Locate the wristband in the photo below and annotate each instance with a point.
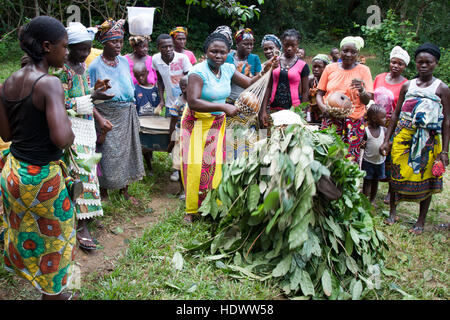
(444, 152)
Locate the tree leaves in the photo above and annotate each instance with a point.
(276, 226)
(326, 283)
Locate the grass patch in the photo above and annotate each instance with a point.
(147, 272)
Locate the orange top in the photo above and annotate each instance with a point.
(334, 78)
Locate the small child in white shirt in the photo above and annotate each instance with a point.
(373, 161)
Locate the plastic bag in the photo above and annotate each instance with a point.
(140, 20)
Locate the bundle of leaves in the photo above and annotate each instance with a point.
(271, 221)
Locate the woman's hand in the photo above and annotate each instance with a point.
(444, 158)
(100, 88)
(104, 124)
(230, 110)
(274, 62)
(358, 84)
(385, 148)
(264, 119)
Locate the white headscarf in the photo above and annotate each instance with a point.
(357, 41)
(77, 33)
(398, 52)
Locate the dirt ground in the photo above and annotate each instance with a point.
(113, 244)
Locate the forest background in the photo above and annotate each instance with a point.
(321, 23)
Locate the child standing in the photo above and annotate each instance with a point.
(147, 99)
(373, 161)
(176, 112)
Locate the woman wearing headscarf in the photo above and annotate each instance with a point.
(289, 84)
(78, 99)
(203, 122)
(318, 63)
(355, 81)
(140, 55)
(121, 162)
(243, 59)
(420, 125)
(270, 45)
(179, 36)
(40, 235)
(387, 87)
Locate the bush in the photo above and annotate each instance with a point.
(392, 32)
(442, 71)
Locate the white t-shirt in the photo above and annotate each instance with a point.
(171, 74)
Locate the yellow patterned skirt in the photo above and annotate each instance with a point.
(407, 185)
(40, 223)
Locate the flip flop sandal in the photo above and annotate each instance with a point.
(82, 246)
(389, 221)
(416, 230)
(190, 218)
(74, 296)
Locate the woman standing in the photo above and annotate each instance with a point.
(290, 83)
(140, 55)
(387, 87)
(319, 62)
(244, 60)
(421, 119)
(179, 36)
(270, 45)
(40, 234)
(355, 81)
(121, 162)
(78, 98)
(203, 121)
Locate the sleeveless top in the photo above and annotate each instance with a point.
(29, 129)
(371, 152)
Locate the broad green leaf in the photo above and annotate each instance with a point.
(283, 266)
(177, 261)
(296, 279)
(299, 234)
(252, 196)
(306, 284)
(335, 227)
(326, 283)
(272, 221)
(354, 235)
(351, 265)
(271, 201)
(348, 243)
(357, 290)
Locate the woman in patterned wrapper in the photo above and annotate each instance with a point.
(420, 125)
(355, 81)
(40, 235)
(78, 98)
(121, 162)
(387, 87)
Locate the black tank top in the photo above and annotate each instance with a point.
(29, 129)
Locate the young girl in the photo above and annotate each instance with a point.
(373, 161)
(319, 62)
(290, 83)
(176, 112)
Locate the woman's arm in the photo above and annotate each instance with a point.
(5, 130)
(263, 116)
(245, 82)
(320, 102)
(51, 93)
(196, 103)
(444, 93)
(304, 89)
(384, 149)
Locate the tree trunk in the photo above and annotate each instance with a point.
(36, 8)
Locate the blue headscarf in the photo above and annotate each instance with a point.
(273, 38)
